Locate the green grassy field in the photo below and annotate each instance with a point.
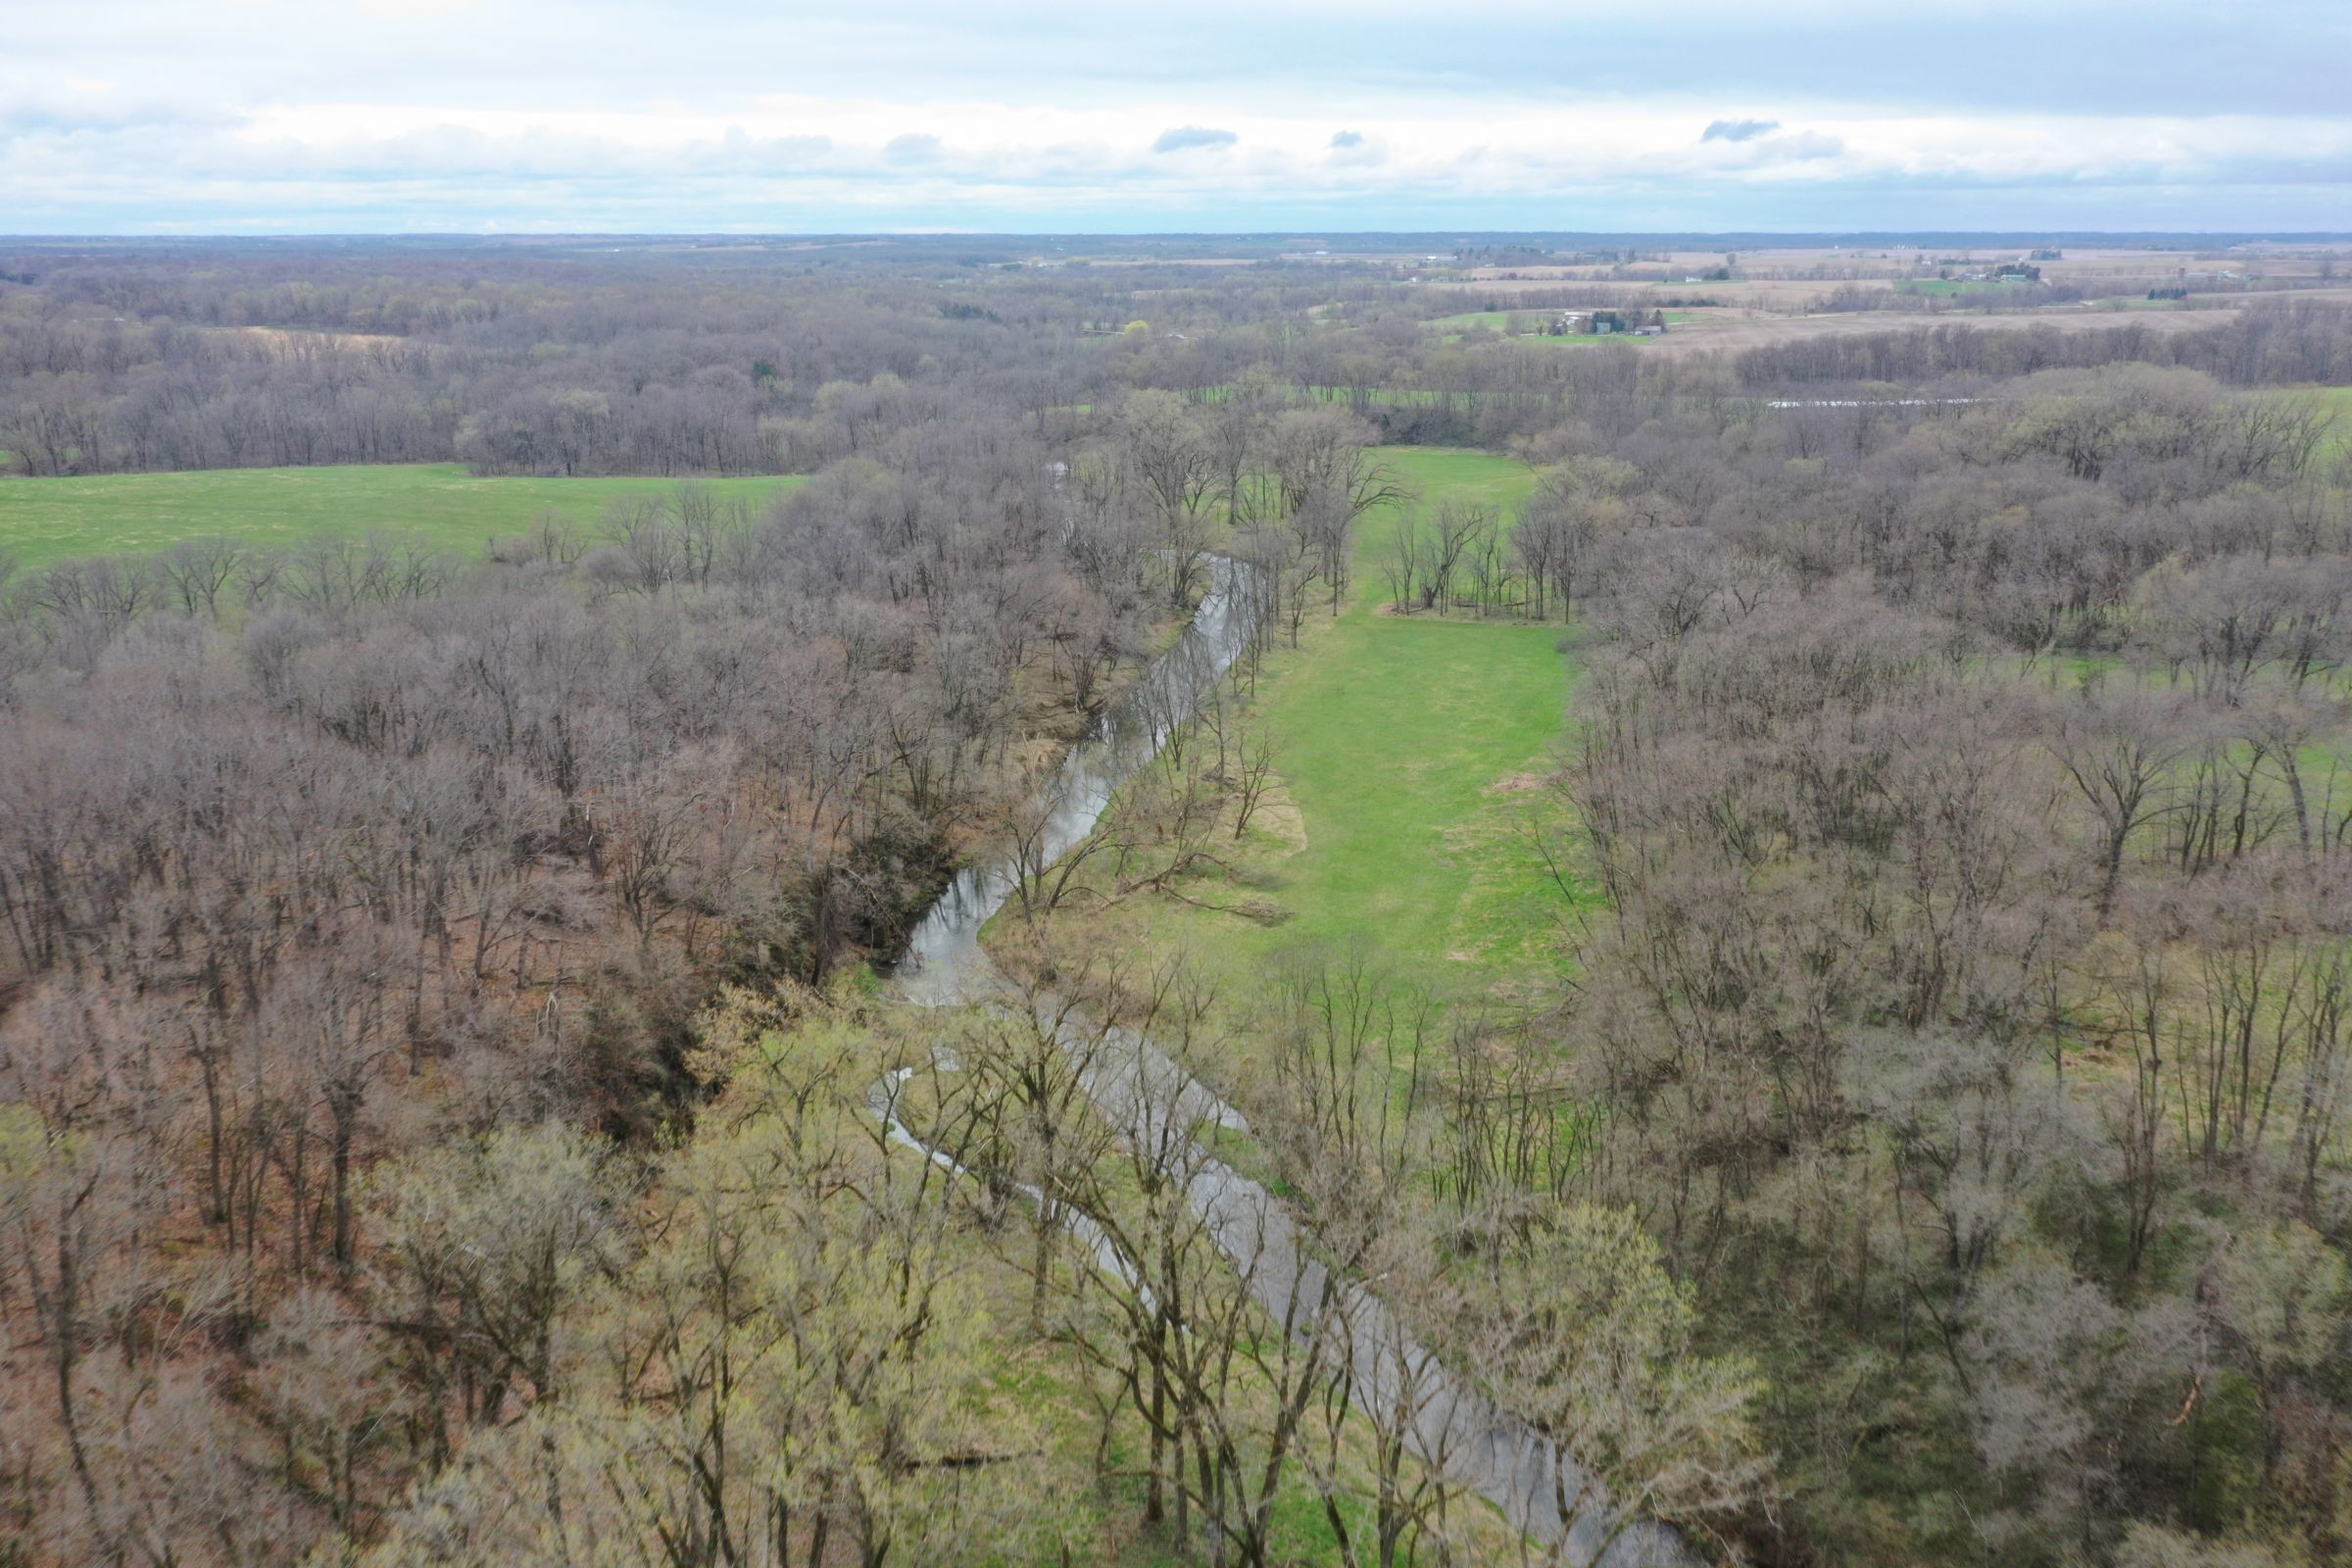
(1411, 755)
(1492, 320)
(53, 519)
(1414, 747)
(2337, 400)
(1412, 742)
(1951, 288)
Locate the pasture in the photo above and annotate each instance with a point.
(44, 520)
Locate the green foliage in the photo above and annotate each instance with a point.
(23, 1139)
(1591, 1338)
(2221, 1475)
(2286, 1292)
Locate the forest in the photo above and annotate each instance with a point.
(1875, 1085)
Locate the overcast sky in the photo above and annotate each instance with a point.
(306, 115)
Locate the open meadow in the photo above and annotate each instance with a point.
(42, 520)
(1410, 753)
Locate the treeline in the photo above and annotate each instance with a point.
(518, 360)
(2289, 343)
(2152, 464)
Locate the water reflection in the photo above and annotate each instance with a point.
(943, 962)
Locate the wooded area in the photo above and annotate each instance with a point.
(443, 999)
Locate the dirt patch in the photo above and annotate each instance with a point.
(1278, 824)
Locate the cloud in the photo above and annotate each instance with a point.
(1180, 137)
(1801, 147)
(206, 118)
(96, 108)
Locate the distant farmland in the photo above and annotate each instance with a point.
(1530, 326)
(54, 519)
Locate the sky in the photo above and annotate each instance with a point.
(178, 117)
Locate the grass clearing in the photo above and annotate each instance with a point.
(2337, 400)
(1411, 752)
(44, 520)
(1406, 743)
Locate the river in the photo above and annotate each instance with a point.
(1135, 1087)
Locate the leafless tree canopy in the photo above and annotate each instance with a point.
(437, 1110)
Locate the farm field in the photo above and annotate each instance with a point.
(1757, 293)
(1733, 330)
(1734, 326)
(42, 520)
(1410, 750)
(1954, 288)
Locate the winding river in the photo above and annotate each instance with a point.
(1138, 1088)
